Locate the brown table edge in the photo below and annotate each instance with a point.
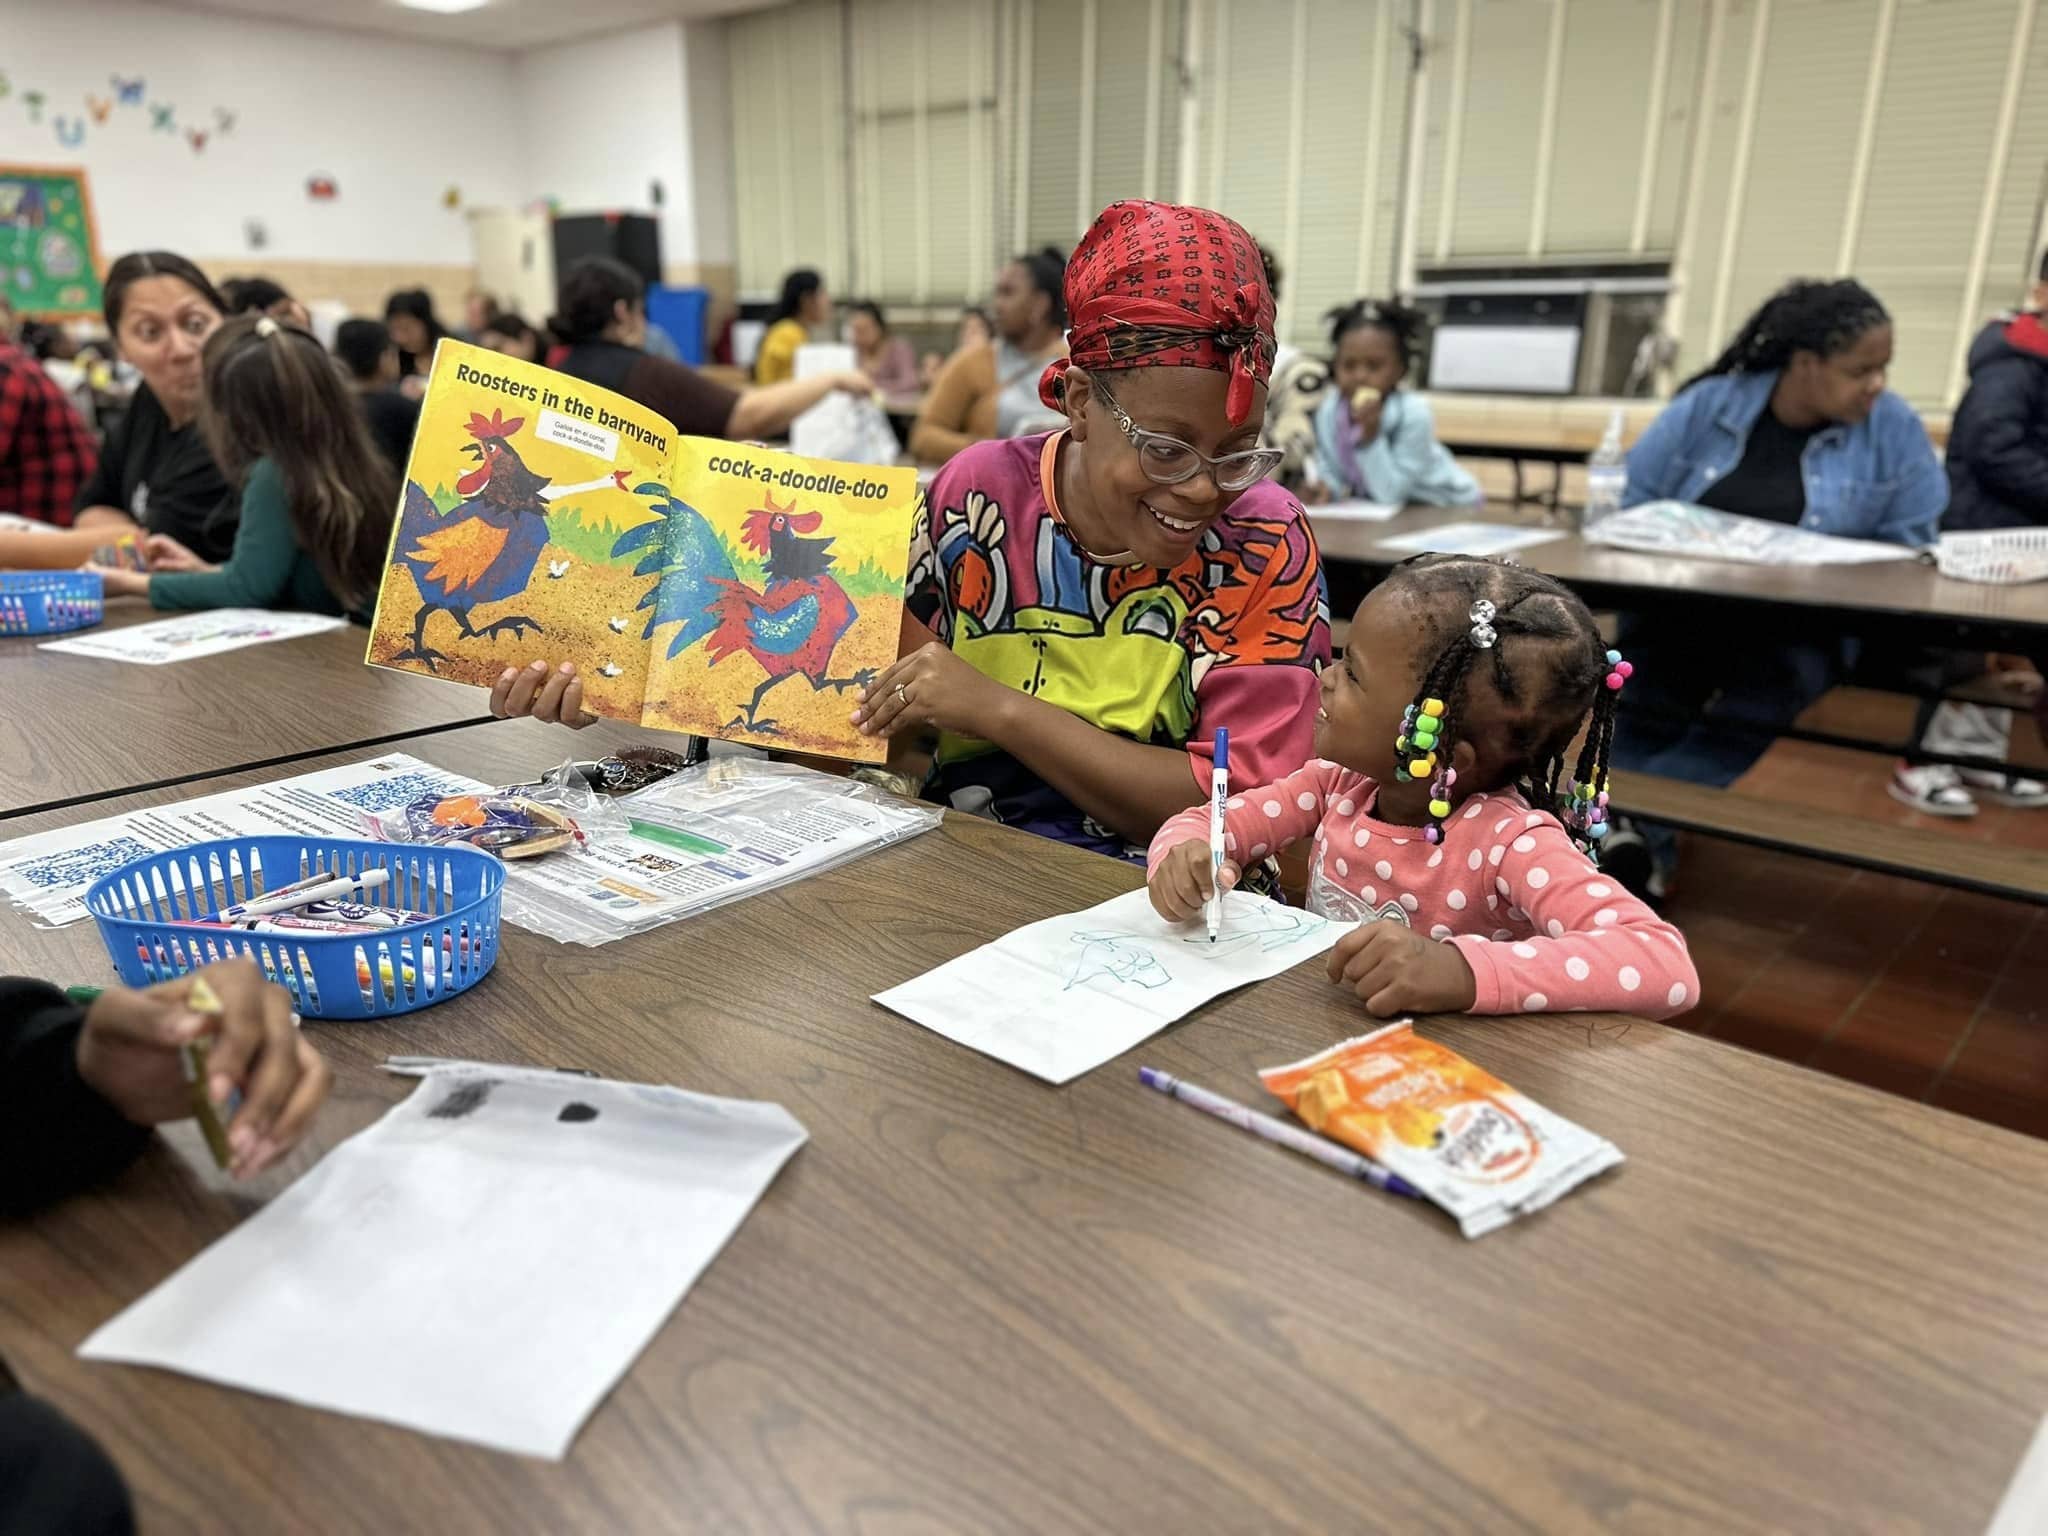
(222, 769)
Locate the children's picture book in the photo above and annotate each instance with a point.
(700, 586)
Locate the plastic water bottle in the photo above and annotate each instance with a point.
(1606, 474)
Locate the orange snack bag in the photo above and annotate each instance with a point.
(1468, 1141)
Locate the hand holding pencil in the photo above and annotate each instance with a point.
(133, 1053)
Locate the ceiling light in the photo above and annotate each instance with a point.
(444, 7)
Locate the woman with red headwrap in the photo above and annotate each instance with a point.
(1106, 596)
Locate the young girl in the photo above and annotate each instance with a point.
(1439, 806)
(317, 496)
(1373, 438)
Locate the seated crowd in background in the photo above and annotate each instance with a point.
(1791, 423)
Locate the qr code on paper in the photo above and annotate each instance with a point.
(388, 794)
(82, 866)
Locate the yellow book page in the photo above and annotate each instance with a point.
(780, 593)
(523, 485)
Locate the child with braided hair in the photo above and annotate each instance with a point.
(1445, 820)
(1374, 438)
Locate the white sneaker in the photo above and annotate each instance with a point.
(1935, 788)
(2005, 788)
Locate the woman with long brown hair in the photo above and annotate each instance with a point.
(317, 496)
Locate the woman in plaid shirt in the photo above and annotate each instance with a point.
(46, 453)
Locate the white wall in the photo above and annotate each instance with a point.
(394, 123)
(604, 119)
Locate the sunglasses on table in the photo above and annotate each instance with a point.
(1169, 461)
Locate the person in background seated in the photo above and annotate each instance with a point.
(1792, 423)
(1374, 439)
(366, 351)
(1444, 800)
(261, 296)
(317, 496)
(601, 319)
(155, 473)
(417, 330)
(973, 329)
(479, 309)
(1997, 478)
(46, 452)
(804, 311)
(992, 391)
(80, 1088)
(507, 333)
(885, 359)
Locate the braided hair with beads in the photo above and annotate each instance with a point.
(1538, 646)
(1803, 316)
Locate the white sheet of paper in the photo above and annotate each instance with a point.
(1706, 533)
(1355, 512)
(194, 634)
(475, 1264)
(49, 873)
(2024, 1509)
(1470, 539)
(1062, 996)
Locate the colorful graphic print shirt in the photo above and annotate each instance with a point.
(1234, 636)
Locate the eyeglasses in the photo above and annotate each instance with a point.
(1169, 461)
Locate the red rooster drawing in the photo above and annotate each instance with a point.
(793, 628)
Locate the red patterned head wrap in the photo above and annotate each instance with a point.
(1162, 285)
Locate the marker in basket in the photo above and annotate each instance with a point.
(1219, 791)
(303, 895)
(1279, 1132)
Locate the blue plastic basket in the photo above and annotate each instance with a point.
(145, 911)
(50, 602)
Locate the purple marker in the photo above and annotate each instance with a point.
(1279, 1132)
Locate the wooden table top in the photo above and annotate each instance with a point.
(1896, 589)
(81, 727)
(977, 1303)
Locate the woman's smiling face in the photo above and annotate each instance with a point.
(1126, 510)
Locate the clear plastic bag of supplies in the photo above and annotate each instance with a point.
(711, 833)
(560, 812)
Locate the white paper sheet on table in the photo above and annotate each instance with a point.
(1470, 539)
(484, 1262)
(49, 873)
(1355, 512)
(1062, 996)
(2024, 1509)
(194, 634)
(1704, 533)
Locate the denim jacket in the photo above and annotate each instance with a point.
(1875, 479)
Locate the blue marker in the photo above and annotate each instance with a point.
(1219, 791)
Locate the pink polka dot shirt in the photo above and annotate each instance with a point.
(1540, 927)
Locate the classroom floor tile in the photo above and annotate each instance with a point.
(1931, 994)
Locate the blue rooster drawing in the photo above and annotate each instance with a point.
(484, 549)
(791, 629)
